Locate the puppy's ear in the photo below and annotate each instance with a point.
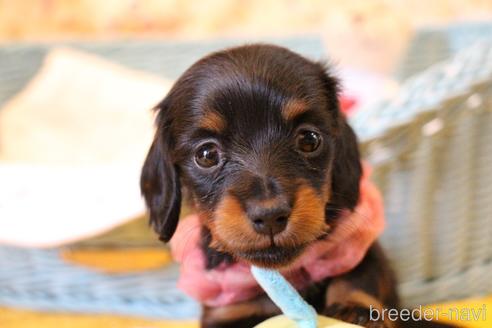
(160, 185)
(346, 169)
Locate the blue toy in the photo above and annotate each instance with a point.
(296, 311)
(286, 297)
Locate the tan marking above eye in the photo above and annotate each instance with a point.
(294, 108)
(213, 121)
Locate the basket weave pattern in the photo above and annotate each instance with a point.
(432, 155)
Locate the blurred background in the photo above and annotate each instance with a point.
(381, 29)
(78, 79)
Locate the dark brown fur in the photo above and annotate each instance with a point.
(252, 103)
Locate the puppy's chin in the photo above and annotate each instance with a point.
(273, 257)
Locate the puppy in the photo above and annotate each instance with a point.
(254, 139)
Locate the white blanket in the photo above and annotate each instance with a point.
(71, 147)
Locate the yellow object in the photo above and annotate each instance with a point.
(119, 260)
(282, 321)
(472, 313)
(10, 318)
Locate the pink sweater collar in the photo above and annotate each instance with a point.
(228, 284)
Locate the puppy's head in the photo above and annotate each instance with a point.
(254, 135)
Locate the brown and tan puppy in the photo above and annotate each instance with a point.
(254, 137)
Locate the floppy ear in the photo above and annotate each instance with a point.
(160, 186)
(346, 169)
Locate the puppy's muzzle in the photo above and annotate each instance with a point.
(269, 217)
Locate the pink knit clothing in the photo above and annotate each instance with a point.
(232, 283)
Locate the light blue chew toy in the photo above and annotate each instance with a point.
(286, 297)
(296, 311)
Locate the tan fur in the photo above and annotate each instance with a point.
(307, 219)
(261, 306)
(294, 108)
(213, 121)
(232, 231)
(341, 291)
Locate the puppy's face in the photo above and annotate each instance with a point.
(255, 137)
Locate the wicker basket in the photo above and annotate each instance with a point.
(431, 149)
(434, 44)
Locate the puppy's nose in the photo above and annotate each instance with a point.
(269, 220)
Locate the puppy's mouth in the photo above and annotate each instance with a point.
(271, 257)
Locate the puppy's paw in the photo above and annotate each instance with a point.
(356, 314)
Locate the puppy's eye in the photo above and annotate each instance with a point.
(308, 141)
(207, 155)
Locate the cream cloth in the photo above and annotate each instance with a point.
(71, 147)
